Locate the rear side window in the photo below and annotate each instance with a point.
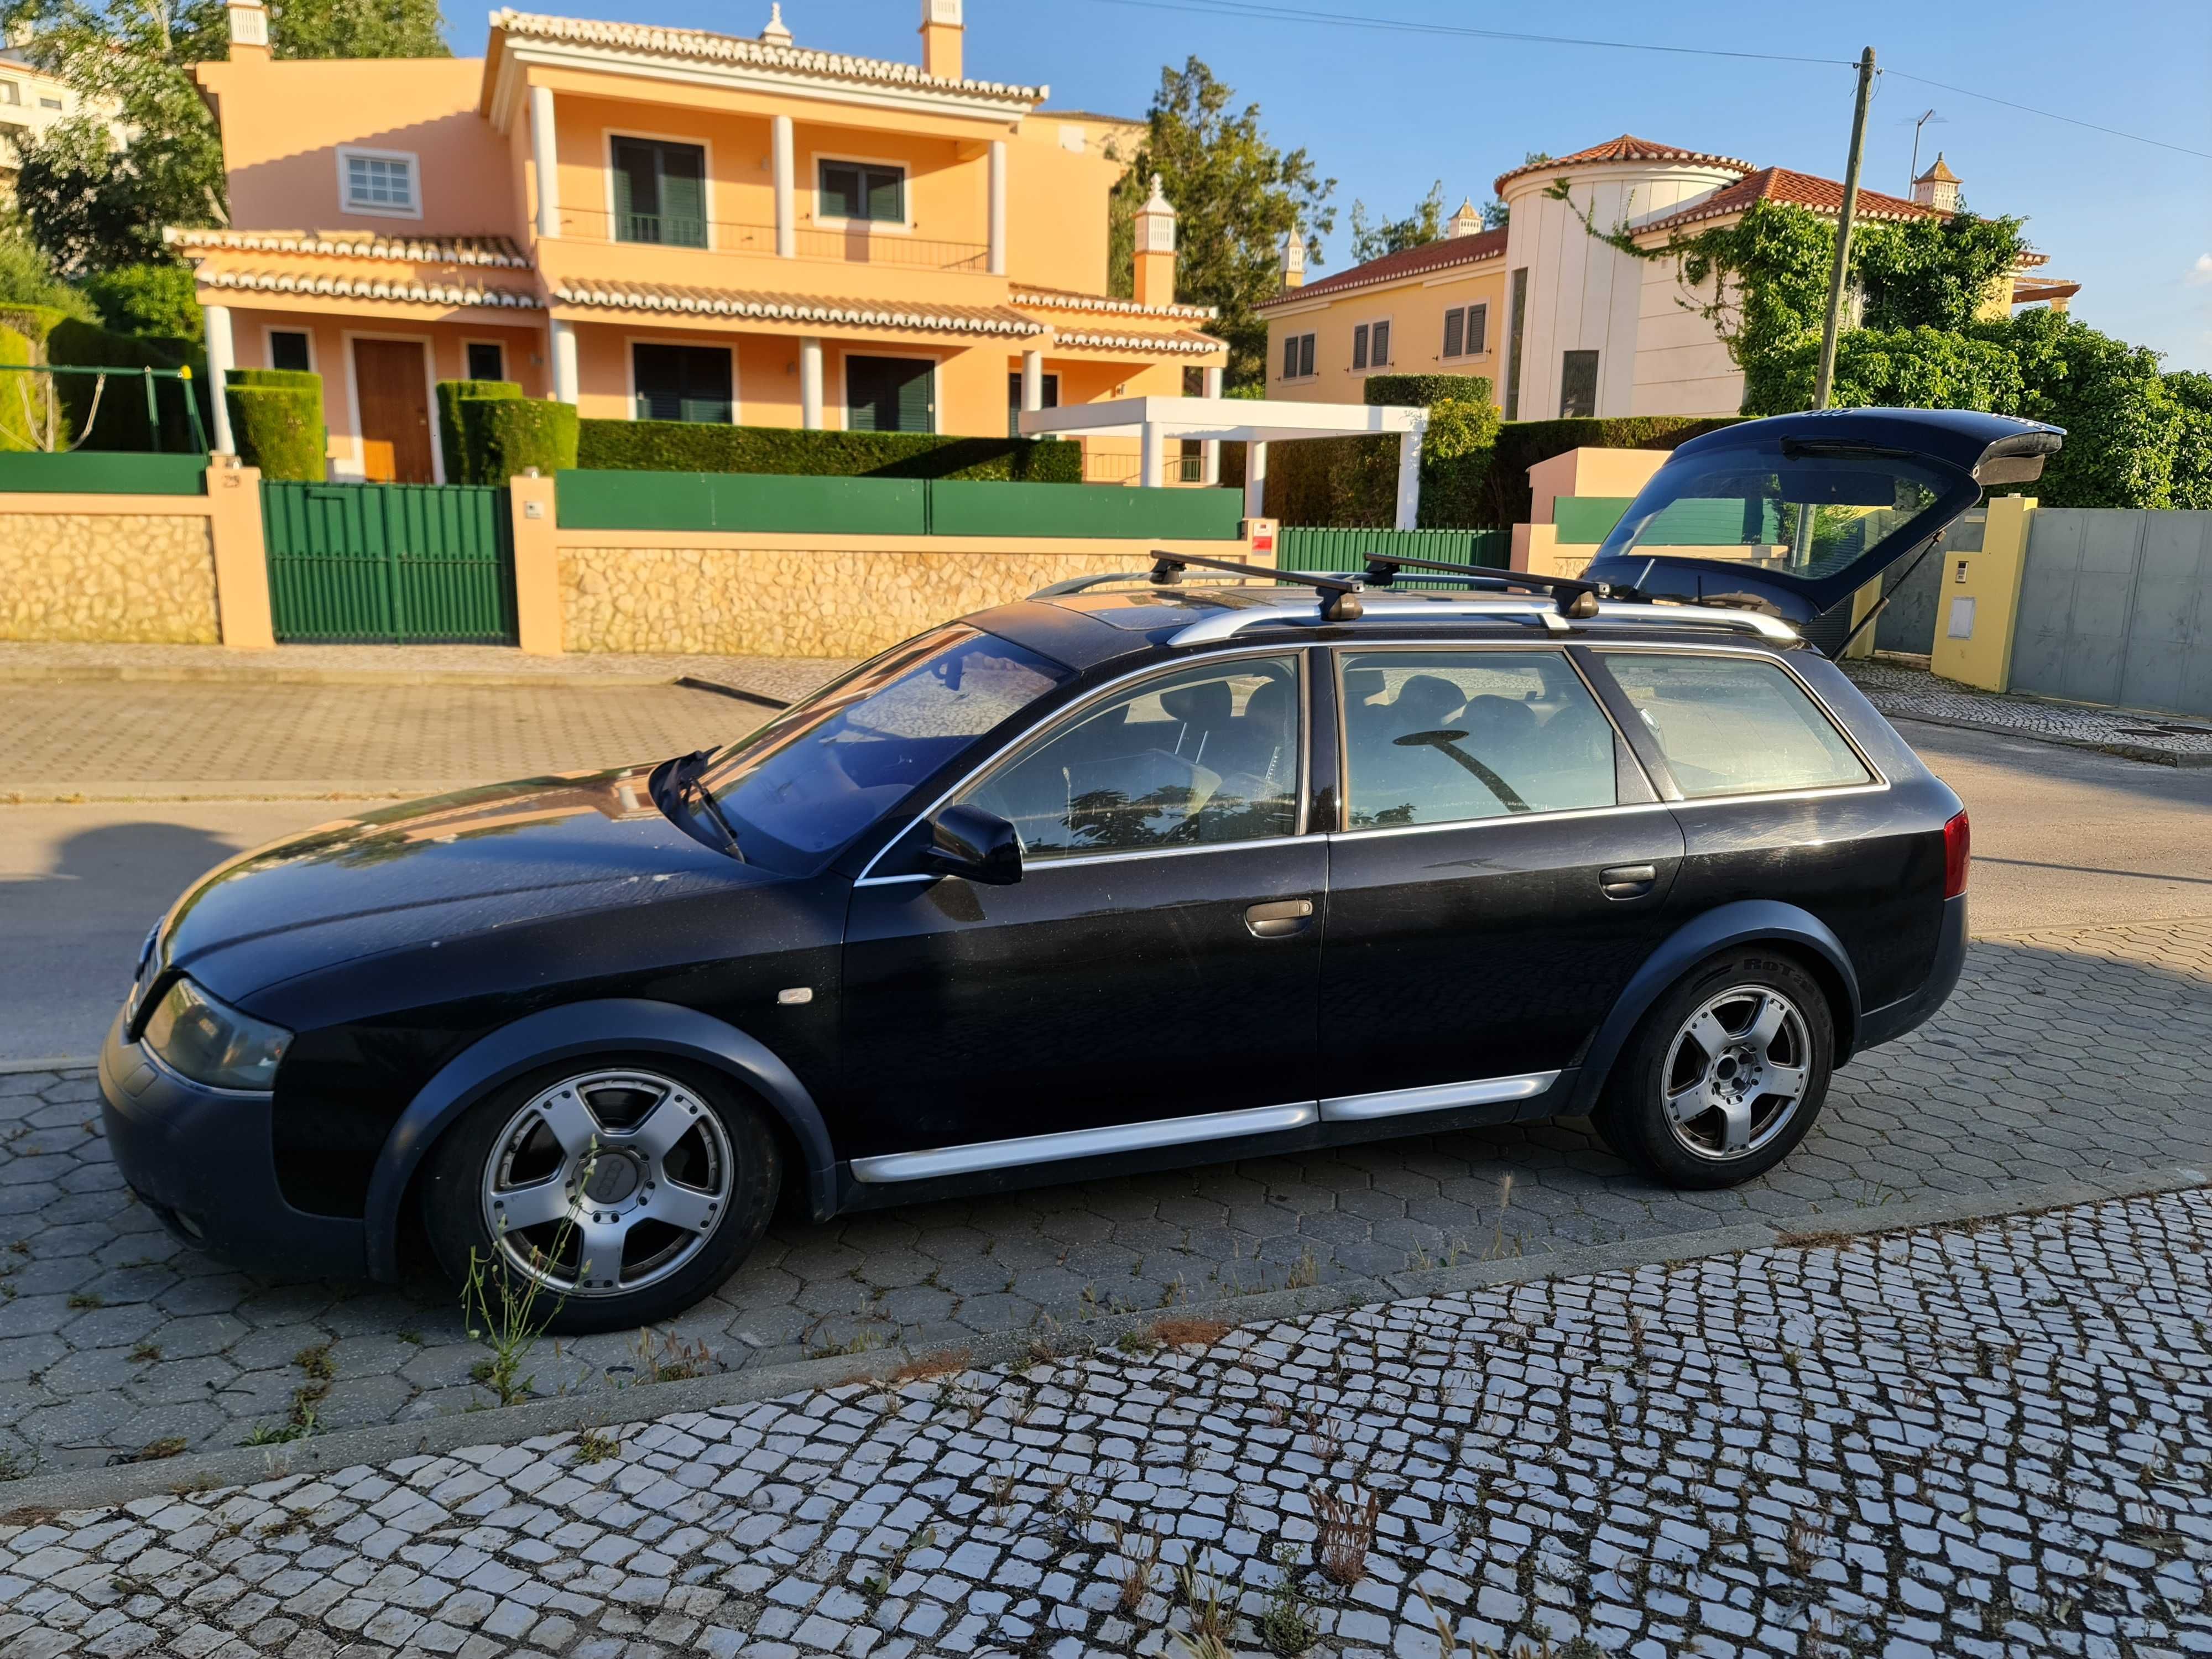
(1734, 726)
(1441, 737)
(1198, 756)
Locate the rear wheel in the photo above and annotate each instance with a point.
(1725, 1075)
(609, 1195)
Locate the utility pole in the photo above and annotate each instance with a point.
(1826, 374)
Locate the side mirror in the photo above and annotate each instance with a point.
(970, 842)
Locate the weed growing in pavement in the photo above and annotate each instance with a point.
(154, 1451)
(1212, 1619)
(86, 1299)
(1347, 1523)
(1497, 1249)
(1140, 1550)
(413, 1339)
(146, 1352)
(505, 1315)
(1286, 1623)
(596, 1446)
(672, 1360)
(14, 1466)
(1306, 1273)
(1327, 1439)
(320, 1370)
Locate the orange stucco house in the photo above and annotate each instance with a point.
(671, 224)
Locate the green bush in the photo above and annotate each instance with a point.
(502, 437)
(22, 397)
(698, 446)
(153, 300)
(28, 280)
(1420, 390)
(34, 323)
(277, 422)
(450, 395)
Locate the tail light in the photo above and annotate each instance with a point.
(1958, 853)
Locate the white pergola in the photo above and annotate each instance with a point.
(1254, 421)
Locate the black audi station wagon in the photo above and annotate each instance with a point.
(1189, 865)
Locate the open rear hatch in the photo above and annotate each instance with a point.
(1792, 515)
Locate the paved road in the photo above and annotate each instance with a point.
(1987, 1441)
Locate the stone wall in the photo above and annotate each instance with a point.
(139, 578)
(831, 602)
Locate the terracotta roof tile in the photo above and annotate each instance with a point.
(1185, 341)
(1028, 295)
(758, 54)
(1440, 255)
(354, 244)
(618, 295)
(1781, 185)
(1627, 148)
(399, 289)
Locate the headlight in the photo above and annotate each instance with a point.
(212, 1043)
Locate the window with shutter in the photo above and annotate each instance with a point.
(1478, 329)
(661, 193)
(1379, 353)
(1290, 357)
(1305, 353)
(1049, 398)
(1454, 330)
(890, 394)
(682, 383)
(861, 190)
(1359, 347)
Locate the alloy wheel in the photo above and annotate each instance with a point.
(1736, 1072)
(607, 1182)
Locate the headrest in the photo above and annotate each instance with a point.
(1207, 704)
(1426, 700)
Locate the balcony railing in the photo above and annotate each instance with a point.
(858, 244)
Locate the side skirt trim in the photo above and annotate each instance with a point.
(1085, 1143)
(1435, 1098)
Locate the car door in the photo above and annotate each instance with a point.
(1157, 964)
(1502, 869)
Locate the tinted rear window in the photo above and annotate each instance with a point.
(1734, 726)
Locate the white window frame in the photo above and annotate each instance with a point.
(607, 136)
(709, 342)
(347, 153)
(1468, 310)
(268, 333)
(900, 227)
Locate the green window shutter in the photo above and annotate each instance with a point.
(1454, 330)
(658, 373)
(706, 384)
(637, 201)
(1359, 347)
(917, 398)
(841, 191)
(887, 195)
(683, 195)
(1290, 357)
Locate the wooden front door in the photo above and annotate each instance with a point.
(395, 411)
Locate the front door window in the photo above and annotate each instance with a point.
(890, 394)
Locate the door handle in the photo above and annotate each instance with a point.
(1627, 881)
(1280, 918)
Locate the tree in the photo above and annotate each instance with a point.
(1235, 197)
(1372, 239)
(1495, 214)
(356, 28)
(147, 300)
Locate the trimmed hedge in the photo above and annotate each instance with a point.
(277, 422)
(34, 323)
(22, 397)
(1420, 390)
(698, 446)
(451, 394)
(501, 437)
(121, 424)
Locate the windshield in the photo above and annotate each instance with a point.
(1804, 515)
(826, 767)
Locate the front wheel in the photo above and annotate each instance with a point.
(606, 1195)
(1726, 1073)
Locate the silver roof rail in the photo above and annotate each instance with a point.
(1535, 613)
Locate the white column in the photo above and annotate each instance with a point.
(1256, 480)
(998, 207)
(809, 383)
(1409, 477)
(1153, 463)
(1032, 379)
(221, 358)
(786, 191)
(546, 155)
(1209, 466)
(564, 360)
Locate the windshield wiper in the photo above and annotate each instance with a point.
(692, 789)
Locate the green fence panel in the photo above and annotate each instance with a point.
(1330, 547)
(959, 508)
(390, 564)
(103, 472)
(1586, 520)
(768, 503)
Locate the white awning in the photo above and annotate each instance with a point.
(1255, 421)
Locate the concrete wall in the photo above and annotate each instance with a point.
(2115, 607)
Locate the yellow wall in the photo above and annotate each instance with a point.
(1415, 310)
(1057, 197)
(1989, 581)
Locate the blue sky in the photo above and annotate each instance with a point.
(1384, 113)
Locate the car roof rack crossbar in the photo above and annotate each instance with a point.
(1079, 584)
(1578, 598)
(1386, 610)
(1340, 600)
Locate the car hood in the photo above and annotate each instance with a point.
(443, 868)
(1855, 489)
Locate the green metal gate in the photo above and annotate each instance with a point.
(1333, 547)
(390, 565)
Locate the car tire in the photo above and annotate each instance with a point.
(677, 1171)
(1725, 1074)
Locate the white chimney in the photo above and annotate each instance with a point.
(1937, 188)
(1294, 259)
(1465, 222)
(775, 35)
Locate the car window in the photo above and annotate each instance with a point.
(1732, 726)
(1203, 754)
(1436, 737)
(828, 766)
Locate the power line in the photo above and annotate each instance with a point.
(1257, 9)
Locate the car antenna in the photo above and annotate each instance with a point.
(1339, 603)
(1578, 598)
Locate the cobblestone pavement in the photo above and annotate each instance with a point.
(2066, 1052)
(1909, 693)
(1990, 1441)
